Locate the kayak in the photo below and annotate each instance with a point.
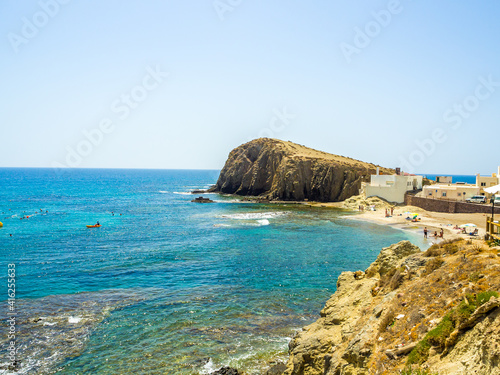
(93, 226)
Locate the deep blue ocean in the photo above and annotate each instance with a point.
(165, 286)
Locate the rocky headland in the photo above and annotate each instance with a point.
(272, 169)
(410, 312)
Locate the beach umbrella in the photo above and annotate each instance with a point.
(469, 225)
(493, 189)
(410, 213)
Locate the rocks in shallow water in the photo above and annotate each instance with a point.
(226, 371)
(198, 191)
(278, 369)
(202, 200)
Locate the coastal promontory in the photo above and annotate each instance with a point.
(410, 312)
(278, 170)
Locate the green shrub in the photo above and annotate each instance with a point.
(484, 297)
(420, 353)
(418, 371)
(462, 312)
(437, 337)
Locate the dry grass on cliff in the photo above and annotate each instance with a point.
(452, 271)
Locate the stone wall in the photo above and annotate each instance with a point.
(439, 205)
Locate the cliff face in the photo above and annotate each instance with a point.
(409, 309)
(279, 170)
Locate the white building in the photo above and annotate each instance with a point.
(444, 179)
(392, 188)
(487, 181)
(455, 192)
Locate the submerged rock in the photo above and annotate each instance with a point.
(226, 371)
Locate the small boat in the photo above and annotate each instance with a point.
(94, 226)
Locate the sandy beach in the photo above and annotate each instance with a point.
(434, 221)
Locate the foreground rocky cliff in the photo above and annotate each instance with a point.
(278, 170)
(422, 313)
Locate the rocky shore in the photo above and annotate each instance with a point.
(436, 312)
(409, 312)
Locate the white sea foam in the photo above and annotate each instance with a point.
(182, 192)
(163, 192)
(209, 367)
(49, 324)
(74, 320)
(256, 215)
(263, 222)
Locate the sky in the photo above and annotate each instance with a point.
(178, 84)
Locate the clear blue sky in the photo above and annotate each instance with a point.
(178, 84)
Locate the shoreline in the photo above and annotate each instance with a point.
(434, 221)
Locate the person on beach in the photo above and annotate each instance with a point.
(435, 234)
(392, 211)
(441, 234)
(425, 232)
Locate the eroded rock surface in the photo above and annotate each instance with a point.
(279, 170)
(372, 322)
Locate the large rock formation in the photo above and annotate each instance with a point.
(279, 170)
(399, 312)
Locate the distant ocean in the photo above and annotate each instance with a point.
(165, 286)
(468, 179)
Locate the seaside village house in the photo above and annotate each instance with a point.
(392, 188)
(444, 179)
(459, 191)
(487, 181)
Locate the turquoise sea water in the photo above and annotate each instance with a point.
(165, 286)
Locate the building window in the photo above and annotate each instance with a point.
(430, 193)
(483, 183)
(459, 194)
(444, 193)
